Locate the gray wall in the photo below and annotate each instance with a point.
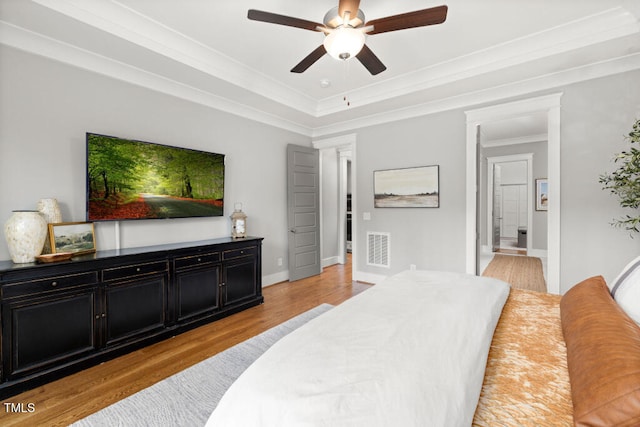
(596, 115)
(45, 109)
(329, 163)
(430, 238)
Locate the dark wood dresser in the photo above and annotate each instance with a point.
(59, 318)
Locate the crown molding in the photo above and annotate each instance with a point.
(608, 25)
(56, 50)
(116, 19)
(492, 94)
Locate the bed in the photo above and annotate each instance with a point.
(435, 348)
(384, 357)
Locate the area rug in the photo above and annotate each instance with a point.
(188, 397)
(521, 272)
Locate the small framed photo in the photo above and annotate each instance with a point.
(542, 194)
(74, 237)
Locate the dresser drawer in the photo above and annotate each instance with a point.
(195, 260)
(134, 270)
(237, 253)
(48, 284)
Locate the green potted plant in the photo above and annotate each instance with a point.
(624, 182)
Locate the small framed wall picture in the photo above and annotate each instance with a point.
(74, 237)
(542, 194)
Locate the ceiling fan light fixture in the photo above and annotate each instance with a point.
(344, 42)
(345, 31)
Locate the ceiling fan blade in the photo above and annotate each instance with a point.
(348, 6)
(310, 60)
(273, 18)
(370, 61)
(419, 18)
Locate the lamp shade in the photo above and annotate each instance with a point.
(344, 42)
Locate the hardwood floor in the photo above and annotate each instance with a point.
(74, 397)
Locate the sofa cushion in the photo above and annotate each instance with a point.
(626, 289)
(603, 356)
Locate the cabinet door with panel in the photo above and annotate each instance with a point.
(239, 274)
(135, 301)
(197, 282)
(47, 322)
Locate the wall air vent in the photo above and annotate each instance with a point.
(378, 249)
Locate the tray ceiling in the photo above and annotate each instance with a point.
(209, 52)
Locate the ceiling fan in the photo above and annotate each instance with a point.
(345, 31)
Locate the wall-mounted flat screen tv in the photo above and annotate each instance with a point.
(128, 179)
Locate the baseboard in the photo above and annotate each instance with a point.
(330, 261)
(272, 279)
(283, 276)
(362, 276)
(539, 253)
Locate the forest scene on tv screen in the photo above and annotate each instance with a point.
(129, 179)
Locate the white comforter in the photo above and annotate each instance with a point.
(410, 351)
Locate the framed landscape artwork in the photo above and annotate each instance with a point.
(542, 194)
(417, 187)
(75, 237)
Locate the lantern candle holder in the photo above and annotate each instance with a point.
(238, 222)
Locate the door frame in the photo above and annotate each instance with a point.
(551, 105)
(527, 157)
(346, 148)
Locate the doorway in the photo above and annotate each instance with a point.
(509, 207)
(339, 221)
(549, 106)
(506, 214)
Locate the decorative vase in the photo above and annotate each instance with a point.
(25, 232)
(50, 209)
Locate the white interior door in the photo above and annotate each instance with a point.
(524, 206)
(496, 209)
(510, 211)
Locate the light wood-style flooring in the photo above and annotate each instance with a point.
(74, 397)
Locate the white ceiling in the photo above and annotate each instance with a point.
(208, 51)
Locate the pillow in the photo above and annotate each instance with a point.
(626, 289)
(603, 356)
